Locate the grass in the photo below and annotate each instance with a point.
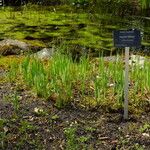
(89, 83)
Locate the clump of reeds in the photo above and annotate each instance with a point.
(85, 83)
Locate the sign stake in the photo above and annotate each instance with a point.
(126, 39)
(126, 85)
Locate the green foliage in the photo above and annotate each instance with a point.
(55, 117)
(145, 127)
(115, 7)
(71, 140)
(90, 129)
(83, 139)
(74, 142)
(80, 2)
(145, 3)
(99, 83)
(138, 147)
(16, 102)
(26, 126)
(34, 74)
(13, 71)
(2, 133)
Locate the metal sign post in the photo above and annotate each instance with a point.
(126, 83)
(126, 39)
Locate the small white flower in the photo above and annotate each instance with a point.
(98, 77)
(111, 85)
(146, 134)
(38, 110)
(137, 60)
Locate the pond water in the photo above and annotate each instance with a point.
(44, 27)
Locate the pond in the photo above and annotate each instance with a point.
(43, 27)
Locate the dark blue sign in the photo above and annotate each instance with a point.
(127, 38)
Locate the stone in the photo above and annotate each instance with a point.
(137, 60)
(12, 47)
(146, 135)
(45, 53)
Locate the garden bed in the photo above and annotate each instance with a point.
(28, 120)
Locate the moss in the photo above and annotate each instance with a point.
(5, 62)
(44, 25)
(9, 50)
(146, 43)
(35, 43)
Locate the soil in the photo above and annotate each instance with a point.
(98, 129)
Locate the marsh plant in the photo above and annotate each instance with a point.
(71, 139)
(74, 141)
(102, 80)
(2, 133)
(16, 102)
(60, 75)
(13, 71)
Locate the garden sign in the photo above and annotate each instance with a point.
(126, 39)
